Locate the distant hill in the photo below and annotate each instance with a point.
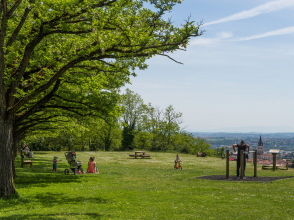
(243, 135)
(282, 141)
(257, 129)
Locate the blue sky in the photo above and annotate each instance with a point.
(238, 76)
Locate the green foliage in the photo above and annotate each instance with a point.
(64, 60)
(69, 58)
(220, 152)
(41, 143)
(203, 147)
(162, 127)
(187, 143)
(150, 128)
(142, 140)
(132, 116)
(127, 138)
(84, 135)
(143, 127)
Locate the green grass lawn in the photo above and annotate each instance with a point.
(129, 188)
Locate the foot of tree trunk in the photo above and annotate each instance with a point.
(7, 189)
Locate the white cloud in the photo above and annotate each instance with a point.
(204, 41)
(225, 34)
(288, 30)
(262, 9)
(207, 41)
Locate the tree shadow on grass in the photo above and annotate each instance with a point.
(41, 179)
(53, 199)
(54, 216)
(38, 152)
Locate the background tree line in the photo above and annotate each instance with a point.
(140, 126)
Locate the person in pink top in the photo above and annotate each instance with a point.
(91, 165)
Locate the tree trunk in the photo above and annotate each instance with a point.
(108, 140)
(15, 152)
(7, 188)
(13, 168)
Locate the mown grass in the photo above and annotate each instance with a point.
(129, 188)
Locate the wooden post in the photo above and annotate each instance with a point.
(242, 164)
(274, 161)
(287, 166)
(255, 162)
(227, 164)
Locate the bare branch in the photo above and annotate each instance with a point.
(170, 58)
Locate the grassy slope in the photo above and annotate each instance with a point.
(145, 189)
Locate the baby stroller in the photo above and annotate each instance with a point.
(75, 166)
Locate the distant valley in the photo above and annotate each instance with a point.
(281, 141)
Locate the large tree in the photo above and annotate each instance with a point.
(54, 56)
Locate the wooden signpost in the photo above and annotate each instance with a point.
(242, 164)
(227, 164)
(255, 162)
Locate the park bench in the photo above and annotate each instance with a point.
(284, 167)
(23, 162)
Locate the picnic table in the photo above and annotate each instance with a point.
(140, 154)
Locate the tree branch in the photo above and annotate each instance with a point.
(3, 27)
(13, 8)
(170, 58)
(35, 118)
(70, 109)
(67, 16)
(68, 32)
(38, 104)
(18, 28)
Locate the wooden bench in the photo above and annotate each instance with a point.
(284, 167)
(139, 154)
(25, 161)
(136, 155)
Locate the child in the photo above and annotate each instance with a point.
(92, 166)
(55, 163)
(178, 160)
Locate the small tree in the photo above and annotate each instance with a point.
(220, 152)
